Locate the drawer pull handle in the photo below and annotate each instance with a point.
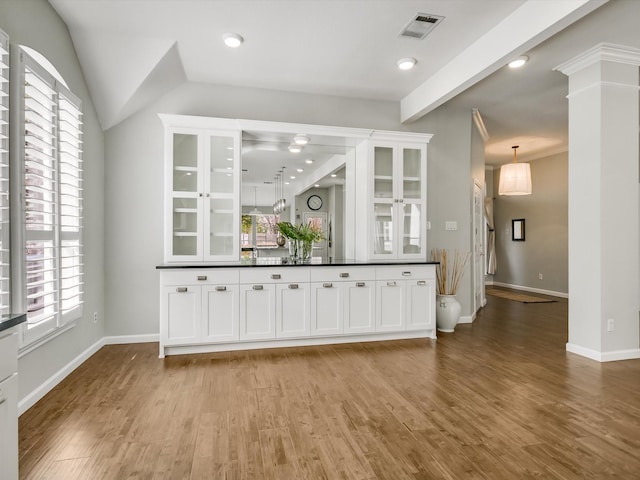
(421, 282)
(360, 284)
(293, 286)
(327, 285)
(202, 277)
(258, 287)
(276, 276)
(391, 284)
(406, 274)
(221, 289)
(181, 289)
(2, 398)
(344, 275)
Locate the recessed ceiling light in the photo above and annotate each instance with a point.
(317, 185)
(518, 62)
(333, 175)
(286, 183)
(308, 161)
(299, 170)
(292, 177)
(293, 148)
(301, 139)
(232, 40)
(406, 63)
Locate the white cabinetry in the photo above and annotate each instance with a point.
(397, 200)
(226, 308)
(405, 298)
(202, 189)
(9, 404)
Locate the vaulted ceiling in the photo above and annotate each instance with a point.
(134, 51)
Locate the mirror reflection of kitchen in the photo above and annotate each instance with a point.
(306, 186)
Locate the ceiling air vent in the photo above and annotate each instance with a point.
(420, 25)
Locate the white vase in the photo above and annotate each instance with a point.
(448, 310)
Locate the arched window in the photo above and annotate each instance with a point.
(47, 179)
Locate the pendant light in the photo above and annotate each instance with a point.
(515, 178)
(255, 210)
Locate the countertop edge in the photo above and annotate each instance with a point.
(342, 263)
(11, 320)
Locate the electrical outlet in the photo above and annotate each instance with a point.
(95, 317)
(451, 225)
(540, 276)
(428, 225)
(611, 325)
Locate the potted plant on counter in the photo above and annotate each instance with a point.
(301, 239)
(449, 272)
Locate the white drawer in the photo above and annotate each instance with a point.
(211, 276)
(258, 275)
(342, 274)
(405, 272)
(8, 355)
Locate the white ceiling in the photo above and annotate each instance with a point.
(134, 51)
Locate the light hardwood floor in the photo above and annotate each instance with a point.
(499, 399)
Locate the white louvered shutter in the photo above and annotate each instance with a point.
(5, 293)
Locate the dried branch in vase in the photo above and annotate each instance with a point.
(448, 276)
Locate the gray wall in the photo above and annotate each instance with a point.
(35, 24)
(134, 196)
(545, 249)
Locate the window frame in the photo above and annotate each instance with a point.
(34, 333)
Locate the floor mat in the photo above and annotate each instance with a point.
(517, 297)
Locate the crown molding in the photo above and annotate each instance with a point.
(603, 52)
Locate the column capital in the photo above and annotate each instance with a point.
(603, 52)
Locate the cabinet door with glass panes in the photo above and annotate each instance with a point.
(203, 182)
(398, 201)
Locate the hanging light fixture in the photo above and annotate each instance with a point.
(515, 178)
(255, 210)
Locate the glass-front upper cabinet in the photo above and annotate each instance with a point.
(202, 184)
(398, 201)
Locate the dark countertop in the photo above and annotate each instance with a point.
(11, 320)
(276, 261)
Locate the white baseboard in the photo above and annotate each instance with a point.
(126, 339)
(613, 356)
(467, 318)
(32, 398)
(529, 289)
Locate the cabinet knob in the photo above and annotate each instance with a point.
(202, 277)
(276, 276)
(344, 275)
(221, 289)
(258, 287)
(293, 286)
(181, 289)
(360, 284)
(391, 284)
(208, 195)
(327, 285)
(200, 194)
(406, 274)
(421, 282)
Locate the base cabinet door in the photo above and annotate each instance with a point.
(293, 310)
(9, 428)
(421, 310)
(257, 312)
(221, 313)
(359, 307)
(181, 315)
(390, 306)
(327, 311)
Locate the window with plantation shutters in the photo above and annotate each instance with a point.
(51, 178)
(5, 298)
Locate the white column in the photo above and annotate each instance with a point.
(604, 238)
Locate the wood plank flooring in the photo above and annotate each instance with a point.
(499, 399)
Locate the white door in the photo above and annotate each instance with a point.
(257, 312)
(292, 310)
(421, 310)
(326, 308)
(220, 305)
(478, 247)
(181, 308)
(390, 306)
(359, 307)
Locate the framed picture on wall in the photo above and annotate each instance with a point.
(517, 230)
